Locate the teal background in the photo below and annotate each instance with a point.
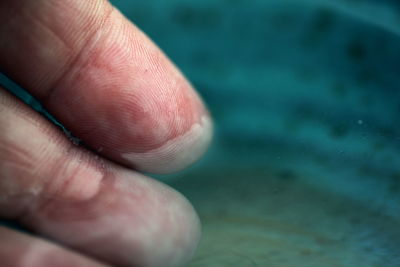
(304, 169)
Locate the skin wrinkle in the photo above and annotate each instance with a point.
(16, 165)
(36, 18)
(93, 39)
(63, 9)
(51, 179)
(49, 32)
(19, 156)
(37, 39)
(59, 192)
(65, 210)
(79, 180)
(71, 187)
(12, 110)
(64, 43)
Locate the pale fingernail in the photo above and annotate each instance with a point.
(176, 153)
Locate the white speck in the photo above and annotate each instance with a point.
(360, 122)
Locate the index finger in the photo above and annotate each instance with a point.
(105, 81)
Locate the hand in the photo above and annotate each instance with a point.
(115, 90)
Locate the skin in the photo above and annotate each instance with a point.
(114, 89)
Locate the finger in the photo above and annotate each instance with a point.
(105, 81)
(23, 250)
(66, 194)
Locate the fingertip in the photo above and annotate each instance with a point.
(177, 153)
(181, 229)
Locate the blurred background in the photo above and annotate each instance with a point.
(304, 169)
